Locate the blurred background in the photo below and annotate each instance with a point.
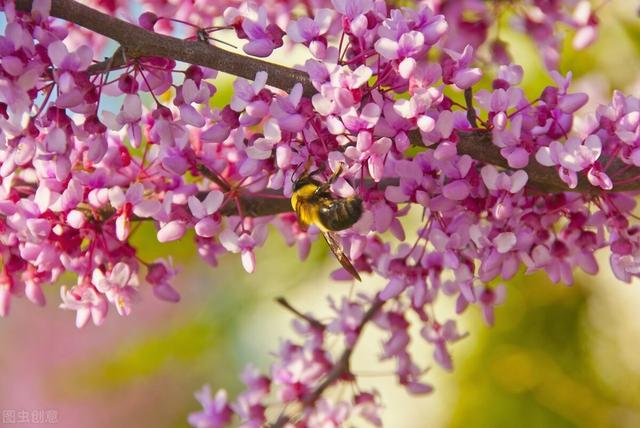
(558, 356)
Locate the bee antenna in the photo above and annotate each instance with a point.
(294, 171)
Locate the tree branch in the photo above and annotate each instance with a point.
(341, 366)
(137, 42)
(311, 321)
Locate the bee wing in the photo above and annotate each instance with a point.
(340, 255)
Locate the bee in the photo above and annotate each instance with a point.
(314, 204)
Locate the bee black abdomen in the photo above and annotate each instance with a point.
(340, 214)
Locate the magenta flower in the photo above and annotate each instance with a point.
(244, 244)
(587, 23)
(408, 45)
(455, 68)
(500, 181)
(87, 302)
(440, 335)
(159, 275)
(286, 110)
(349, 316)
(488, 298)
(119, 286)
(312, 32)
(372, 152)
(251, 100)
(131, 202)
(421, 108)
(342, 92)
(252, 24)
(215, 413)
(354, 11)
(202, 210)
(262, 147)
(367, 119)
(574, 156)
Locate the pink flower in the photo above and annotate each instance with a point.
(354, 12)
(347, 323)
(502, 181)
(574, 156)
(131, 202)
(587, 24)
(87, 302)
(206, 225)
(408, 45)
(440, 335)
(286, 110)
(343, 90)
(252, 24)
(118, 286)
(421, 108)
(215, 412)
(251, 99)
(159, 275)
(312, 32)
(364, 120)
(455, 68)
(70, 61)
(488, 298)
(373, 153)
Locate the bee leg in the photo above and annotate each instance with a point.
(325, 186)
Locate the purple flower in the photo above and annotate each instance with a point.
(366, 119)
(131, 202)
(159, 275)
(312, 32)
(574, 156)
(347, 323)
(249, 100)
(87, 302)
(586, 21)
(206, 225)
(354, 11)
(502, 181)
(118, 286)
(455, 68)
(263, 37)
(440, 335)
(215, 412)
(343, 91)
(286, 110)
(373, 153)
(408, 45)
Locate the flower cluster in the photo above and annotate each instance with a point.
(77, 177)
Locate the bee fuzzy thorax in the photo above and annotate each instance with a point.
(323, 210)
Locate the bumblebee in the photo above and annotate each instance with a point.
(314, 204)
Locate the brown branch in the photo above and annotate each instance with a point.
(341, 366)
(259, 206)
(206, 172)
(311, 321)
(137, 42)
(471, 112)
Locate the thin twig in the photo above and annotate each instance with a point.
(471, 112)
(340, 368)
(206, 172)
(312, 321)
